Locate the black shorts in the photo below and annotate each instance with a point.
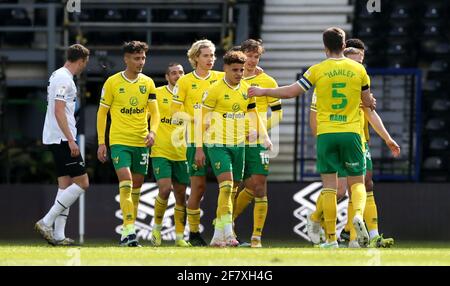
(67, 165)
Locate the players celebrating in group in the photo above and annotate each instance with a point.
(215, 119)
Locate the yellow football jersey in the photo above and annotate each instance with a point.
(189, 91)
(338, 89)
(229, 106)
(264, 102)
(169, 142)
(365, 136)
(127, 102)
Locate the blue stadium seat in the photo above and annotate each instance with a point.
(18, 17)
(440, 105)
(178, 15)
(211, 15)
(439, 144)
(402, 11)
(440, 65)
(113, 15)
(435, 124)
(367, 28)
(399, 30)
(434, 163)
(434, 10)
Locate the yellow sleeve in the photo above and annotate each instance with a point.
(107, 95)
(106, 100)
(308, 79)
(101, 123)
(153, 109)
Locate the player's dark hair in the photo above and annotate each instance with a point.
(355, 43)
(76, 52)
(172, 64)
(134, 47)
(235, 49)
(252, 45)
(234, 57)
(334, 39)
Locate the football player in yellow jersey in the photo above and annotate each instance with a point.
(256, 167)
(129, 96)
(341, 84)
(226, 103)
(169, 161)
(355, 51)
(188, 94)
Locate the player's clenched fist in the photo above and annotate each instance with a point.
(255, 91)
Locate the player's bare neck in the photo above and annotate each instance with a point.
(202, 73)
(131, 76)
(70, 67)
(249, 72)
(335, 55)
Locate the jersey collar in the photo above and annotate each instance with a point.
(129, 80)
(168, 89)
(202, 78)
(233, 88)
(337, 59)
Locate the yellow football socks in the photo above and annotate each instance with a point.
(370, 212)
(135, 196)
(160, 209)
(224, 205)
(259, 215)
(180, 218)
(358, 198)
(193, 217)
(317, 214)
(126, 204)
(244, 198)
(330, 213)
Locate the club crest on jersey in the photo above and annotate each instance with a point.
(142, 89)
(245, 96)
(236, 107)
(134, 101)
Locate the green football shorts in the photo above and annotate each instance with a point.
(368, 157)
(176, 170)
(194, 170)
(227, 159)
(135, 158)
(340, 150)
(256, 161)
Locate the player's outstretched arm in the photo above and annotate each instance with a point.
(101, 130)
(377, 124)
(287, 91)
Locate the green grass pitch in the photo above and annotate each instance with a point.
(273, 254)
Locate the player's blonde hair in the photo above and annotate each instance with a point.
(195, 50)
